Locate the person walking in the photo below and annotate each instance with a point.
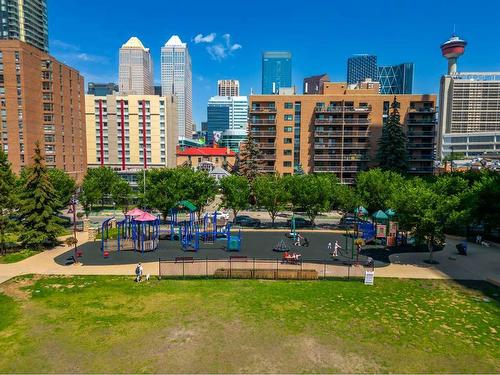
(138, 272)
(336, 249)
(329, 247)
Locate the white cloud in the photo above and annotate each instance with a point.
(71, 53)
(209, 38)
(221, 51)
(59, 44)
(217, 52)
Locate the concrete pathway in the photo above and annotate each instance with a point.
(482, 263)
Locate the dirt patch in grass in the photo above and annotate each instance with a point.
(18, 288)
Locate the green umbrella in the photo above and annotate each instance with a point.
(390, 212)
(380, 215)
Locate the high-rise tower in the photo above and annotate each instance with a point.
(452, 49)
(176, 79)
(136, 69)
(361, 67)
(276, 71)
(25, 20)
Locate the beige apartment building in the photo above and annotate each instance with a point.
(338, 131)
(131, 132)
(41, 100)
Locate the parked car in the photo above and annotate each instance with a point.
(349, 221)
(300, 222)
(246, 221)
(220, 215)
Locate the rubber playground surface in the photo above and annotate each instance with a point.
(254, 244)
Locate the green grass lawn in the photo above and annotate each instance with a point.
(17, 256)
(111, 324)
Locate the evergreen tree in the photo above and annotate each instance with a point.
(249, 159)
(7, 198)
(39, 206)
(392, 154)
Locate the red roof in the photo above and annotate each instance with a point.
(205, 151)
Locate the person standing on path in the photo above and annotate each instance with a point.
(138, 272)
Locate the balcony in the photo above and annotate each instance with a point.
(266, 146)
(334, 133)
(262, 122)
(421, 134)
(345, 121)
(343, 109)
(420, 145)
(345, 145)
(422, 110)
(349, 157)
(264, 133)
(421, 122)
(267, 169)
(335, 168)
(421, 158)
(268, 157)
(263, 110)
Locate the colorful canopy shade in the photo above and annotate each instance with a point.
(134, 212)
(380, 215)
(390, 212)
(361, 210)
(145, 217)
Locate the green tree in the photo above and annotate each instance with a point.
(90, 194)
(482, 201)
(39, 206)
(271, 194)
(8, 202)
(63, 184)
(198, 187)
(424, 212)
(121, 193)
(345, 198)
(311, 193)
(249, 160)
(104, 179)
(375, 187)
(235, 193)
(392, 154)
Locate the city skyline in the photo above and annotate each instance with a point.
(238, 55)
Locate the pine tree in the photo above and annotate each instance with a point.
(39, 206)
(249, 160)
(392, 154)
(7, 198)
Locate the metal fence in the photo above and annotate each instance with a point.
(243, 267)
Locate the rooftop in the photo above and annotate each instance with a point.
(205, 151)
(175, 41)
(134, 42)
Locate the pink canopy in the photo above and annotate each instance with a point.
(135, 212)
(145, 216)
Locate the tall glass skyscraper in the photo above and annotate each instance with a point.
(361, 67)
(26, 21)
(276, 71)
(176, 79)
(136, 69)
(227, 113)
(396, 79)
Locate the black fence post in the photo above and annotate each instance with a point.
(230, 268)
(277, 269)
(324, 268)
(183, 273)
(206, 266)
(253, 274)
(348, 272)
(159, 268)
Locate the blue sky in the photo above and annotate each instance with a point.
(321, 34)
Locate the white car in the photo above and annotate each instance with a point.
(221, 215)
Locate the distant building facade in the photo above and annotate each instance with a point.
(176, 79)
(314, 84)
(226, 113)
(131, 132)
(135, 69)
(276, 71)
(25, 20)
(361, 67)
(228, 87)
(41, 100)
(102, 89)
(396, 79)
(206, 158)
(157, 90)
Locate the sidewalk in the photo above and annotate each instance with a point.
(481, 264)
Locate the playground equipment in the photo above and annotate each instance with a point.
(291, 258)
(209, 229)
(138, 231)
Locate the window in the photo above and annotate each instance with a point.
(287, 141)
(287, 164)
(287, 152)
(288, 117)
(288, 129)
(288, 105)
